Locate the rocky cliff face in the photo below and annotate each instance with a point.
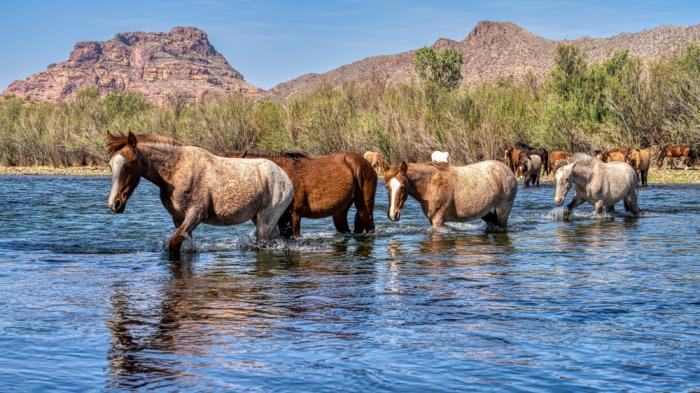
(161, 65)
(499, 49)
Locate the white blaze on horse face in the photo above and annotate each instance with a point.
(394, 189)
(117, 164)
(562, 179)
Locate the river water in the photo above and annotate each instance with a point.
(89, 301)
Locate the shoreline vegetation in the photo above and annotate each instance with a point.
(579, 107)
(656, 176)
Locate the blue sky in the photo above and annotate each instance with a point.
(273, 41)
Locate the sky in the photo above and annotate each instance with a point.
(273, 41)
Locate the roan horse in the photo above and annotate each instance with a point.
(540, 151)
(197, 186)
(600, 184)
(688, 154)
(325, 186)
(483, 190)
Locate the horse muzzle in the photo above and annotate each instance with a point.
(117, 206)
(558, 200)
(395, 217)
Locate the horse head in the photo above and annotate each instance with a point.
(396, 181)
(563, 178)
(126, 170)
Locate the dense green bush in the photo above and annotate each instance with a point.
(579, 107)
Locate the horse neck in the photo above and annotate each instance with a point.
(159, 162)
(584, 174)
(419, 178)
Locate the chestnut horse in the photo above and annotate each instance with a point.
(556, 156)
(617, 155)
(688, 154)
(197, 186)
(639, 159)
(540, 151)
(325, 186)
(483, 190)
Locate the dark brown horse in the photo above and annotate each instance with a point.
(685, 152)
(540, 151)
(325, 186)
(512, 157)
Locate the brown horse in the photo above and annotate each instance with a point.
(483, 190)
(556, 156)
(197, 186)
(685, 152)
(376, 160)
(512, 157)
(326, 186)
(617, 155)
(640, 159)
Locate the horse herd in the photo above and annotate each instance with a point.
(275, 191)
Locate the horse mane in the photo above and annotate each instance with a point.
(116, 142)
(294, 155)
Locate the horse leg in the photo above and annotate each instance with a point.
(572, 205)
(631, 202)
(340, 219)
(598, 208)
(490, 218)
(364, 206)
(502, 214)
(438, 220)
(296, 224)
(186, 226)
(610, 209)
(645, 175)
(284, 225)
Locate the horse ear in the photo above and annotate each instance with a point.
(404, 167)
(132, 140)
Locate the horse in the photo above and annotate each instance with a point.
(512, 157)
(640, 159)
(440, 156)
(325, 186)
(531, 168)
(376, 160)
(556, 156)
(601, 155)
(600, 184)
(540, 151)
(688, 154)
(483, 190)
(617, 155)
(197, 186)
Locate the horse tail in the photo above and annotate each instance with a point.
(365, 187)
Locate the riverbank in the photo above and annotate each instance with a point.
(56, 171)
(664, 176)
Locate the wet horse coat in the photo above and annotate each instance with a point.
(326, 186)
(483, 190)
(600, 184)
(199, 187)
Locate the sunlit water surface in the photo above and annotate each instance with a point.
(89, 301)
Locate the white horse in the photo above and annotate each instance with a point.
(440, 156)
(600, 184)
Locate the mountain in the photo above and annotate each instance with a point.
(499, 49)
(180, 63)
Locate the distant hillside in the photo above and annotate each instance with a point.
(497, 49)
(160, 65)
